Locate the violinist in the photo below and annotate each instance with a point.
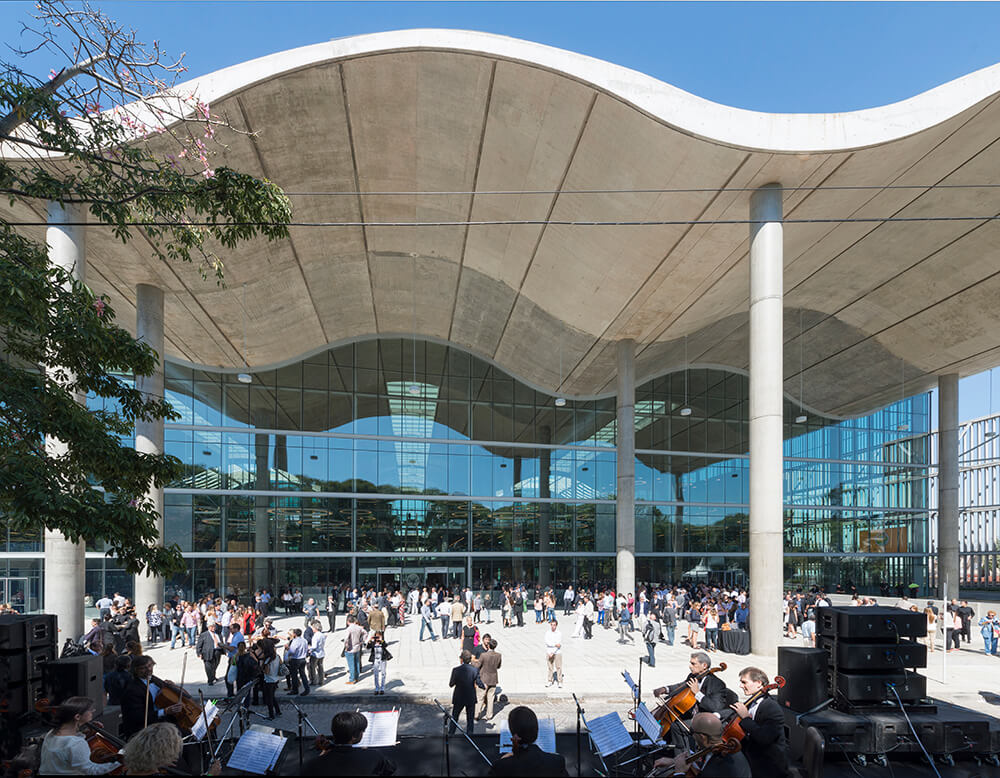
(64, 750)
(339, 757)
(138, 701)
(706, 729)
(764, 724)
(525, 757)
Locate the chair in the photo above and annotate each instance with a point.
(813, 753)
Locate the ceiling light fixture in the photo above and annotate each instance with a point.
(245, 377)
(801, 418)
(686, 410)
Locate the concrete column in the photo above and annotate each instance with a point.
(262, 524)
(149, 434)
(65, 561)
(545, 508)
(625, 500)
(947, 561)
(766, 420)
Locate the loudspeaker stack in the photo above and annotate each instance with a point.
(27, 644)
(871, 654)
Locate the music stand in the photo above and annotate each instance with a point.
(447, 755)
(608, 736)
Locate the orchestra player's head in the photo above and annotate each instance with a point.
(77, 709)
(523, 724)
(152, 749)
(700, 662)
(752, 680)
(347, 728)
(142, 667)
(706, 729)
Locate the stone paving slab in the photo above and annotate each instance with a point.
(592, 669)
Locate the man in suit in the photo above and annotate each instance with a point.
(138, 706)
(706, 729)
(209, 648)
(710, 692)
(464, 678)
(488, 663)
(526, 758)
(764, 745)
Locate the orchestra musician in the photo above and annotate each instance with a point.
(155, 750)
(339, 757)
(706, 729)
(764, 724)
(710, 692)
(64, 750)
(526, 758)
(139, 700)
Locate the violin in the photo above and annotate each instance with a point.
(680, 702)
(694, 768)
(733, 730)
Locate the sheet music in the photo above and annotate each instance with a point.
(609, 734)
(649, 725)
(631, 684)
(200, 728)
(546, 739)
(381, 729)
(256, 752)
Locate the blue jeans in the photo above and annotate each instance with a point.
(550, 614)
(175, 632)
(430, 628)
(711, 638)
(379, 673)
(991, 645)
(670, 635)
(538, 616)
(353, 665)
(191, 632)
(651, 648)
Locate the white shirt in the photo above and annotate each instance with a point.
(553, 642)
(297, 648)
(104, 602)
(70, 755)
(318, 647)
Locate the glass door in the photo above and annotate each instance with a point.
(14, 591)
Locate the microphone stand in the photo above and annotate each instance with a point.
(447, 755)
(579, 716)
(303, 719)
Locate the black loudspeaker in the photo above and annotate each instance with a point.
(804, 671)
(111, 719)
(75, 676)
(938, 734)
(19, 632)
(19, 698)
(25, 665)
(875, 687)
(843, 732)
(864, 622)
(874, 656)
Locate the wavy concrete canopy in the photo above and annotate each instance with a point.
(469, 113)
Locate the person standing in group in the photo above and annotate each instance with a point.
(354, 640)
(457, 615)
(427, 620)
(553, 654)
(379, 658)
(519, 606)
(568, 597)
(317, 655)
(488, 664)
(376, 619)
(651, 635)
(311, 610)
(668, 623)
(990, 630)
(270, 665)
(331, 612)
(296, 655)
(588, 617)
(966, 614)
(209, 649)
(931, 628)
(953, 632)
(444, 613)
(464, 679)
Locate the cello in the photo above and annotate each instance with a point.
(733, 730)
(173, 694)
(680, 702)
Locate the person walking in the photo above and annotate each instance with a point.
(464, 680)
(553, 654)
(588, 617)
(488, 664)
(651, 634)
(209, 649)
(669, 621)
(317, 655)
(379, 658)
(427, 620)
(444, 613)
(931, 628)
(989, 628)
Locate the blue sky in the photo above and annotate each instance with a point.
(781, 57)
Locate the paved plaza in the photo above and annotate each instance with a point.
(592, 669)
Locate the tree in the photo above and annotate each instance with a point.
(110, 133)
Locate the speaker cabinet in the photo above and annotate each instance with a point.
(874, 656)
(861, 688)
(75, 676)
(23, 632)
(25, 665)
(804, 671)
(19, 698)
(870, 623)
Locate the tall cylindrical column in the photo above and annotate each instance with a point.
(766, 419)
(149, 434)
(65, 561)
(625, 500)
(947, 529)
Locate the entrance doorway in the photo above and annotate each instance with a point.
(389, 578)
(15, 592)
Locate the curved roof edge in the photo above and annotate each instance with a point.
(773, 132)
(640, 379)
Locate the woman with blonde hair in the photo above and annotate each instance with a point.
(931, 628)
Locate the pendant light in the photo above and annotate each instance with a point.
(686, 409)
(245, 377)
(801, 418)
(560, 400)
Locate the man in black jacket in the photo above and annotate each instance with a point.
(764, 745)
(342, 758)
(464, 678)
(209, 648)
(138, 706)
(526, 758)
(710, 692)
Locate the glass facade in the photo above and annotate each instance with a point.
(394, 460)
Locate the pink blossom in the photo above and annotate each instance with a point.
(99, 306)
(209, 173)
(52, 75)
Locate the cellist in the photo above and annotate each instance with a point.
(64, 750)
(706, 729)
(764, 724)
(710, 692)
(138, 702)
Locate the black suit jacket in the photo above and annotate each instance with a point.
(717, 696)
(729, 766)
(205, 646)
(530, 760)
(346, 760)
(134, 709)
(465, 679)
(764, 745)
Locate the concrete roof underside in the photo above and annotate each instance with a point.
(869, 305)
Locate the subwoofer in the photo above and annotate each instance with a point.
(864, 622)
(804, 671)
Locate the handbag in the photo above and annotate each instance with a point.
(282, 670)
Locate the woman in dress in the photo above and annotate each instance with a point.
(470, 635)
